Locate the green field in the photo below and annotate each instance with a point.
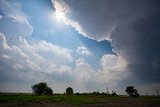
(9, 99)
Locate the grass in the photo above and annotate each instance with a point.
(71, 99)
(19, 98)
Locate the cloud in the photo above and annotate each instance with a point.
(14, 22)
(98, 22)
(14, 55)
(87, 79)
(46, 55)
(1, 17)
(53, 53)
(83, 51)
(12, 10)
(140, 47)
(31, 63)
(27, 63)
(62, 8)
(132, 27)
(22, 61)
(114, 67)
(6, 57)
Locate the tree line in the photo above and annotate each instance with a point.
(43, 89)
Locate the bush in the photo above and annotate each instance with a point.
(96, 93)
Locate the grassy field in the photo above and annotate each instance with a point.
(28, 100)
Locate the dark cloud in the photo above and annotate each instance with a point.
(139, 43)
(133, 27)
(99, 18)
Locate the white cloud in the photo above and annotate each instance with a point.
(114, 67)
(62, 8)
(82, 73)
(114, 70)
(53, 52)
(16, 22)
(15, 56)
(34, 61)
(1, 17)
(113, 62)
(58, 69)
(83, 51)
(47, 52)
(12, 10)
(6, 57)
(83, 69)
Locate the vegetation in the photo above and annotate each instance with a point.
(114, 93)
(69, 90)
(43, 94)
(132, 92)
(80, 99)
(41, 89)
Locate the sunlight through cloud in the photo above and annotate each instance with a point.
(59, 15)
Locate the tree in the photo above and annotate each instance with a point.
(96, 93)
(131, 91)
(69, 90)
(114, 93)
(49, 91)
(41, 88)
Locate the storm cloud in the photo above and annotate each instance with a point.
(132, 27)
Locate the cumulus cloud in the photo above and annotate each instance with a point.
(31, 63)
(14, 22)
(53, 53)
(14, 55)
(24, 61)
(83, 69)
(28, 62)
(83, 51)
(114, 67)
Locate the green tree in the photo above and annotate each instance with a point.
(49, 91)
(41, 88)
(114, 93)
(131, 91)
(69, 90)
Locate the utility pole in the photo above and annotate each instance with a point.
(157, 92)
(107, 90)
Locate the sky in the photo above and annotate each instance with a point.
(88, 45)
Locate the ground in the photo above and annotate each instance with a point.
(61, 100)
